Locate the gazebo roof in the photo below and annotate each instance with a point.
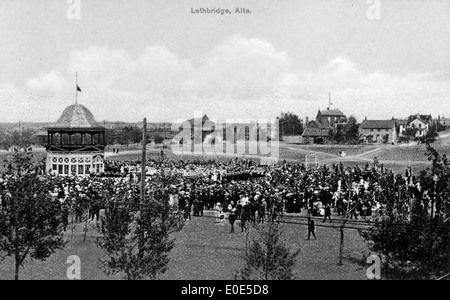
(76, 116)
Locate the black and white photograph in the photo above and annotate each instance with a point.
(224, 144)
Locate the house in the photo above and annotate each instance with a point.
(374, 131)
(317, 131)
(444, 122)
(420, 122)
(334, 117)
(400, 126)
(326, 121)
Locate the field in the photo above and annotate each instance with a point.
(207, 251)
(395, 157)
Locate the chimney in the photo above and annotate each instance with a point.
(365, 118)
(306, 120)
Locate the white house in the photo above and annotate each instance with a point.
(421, 122)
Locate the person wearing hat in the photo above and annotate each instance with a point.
(245, 216)
(311, 227)
(327, 213)
(232, 219)
(196, 205)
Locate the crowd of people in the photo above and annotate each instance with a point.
(247, 190)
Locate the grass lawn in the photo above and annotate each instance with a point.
(335, 149)
(397, 158)
(207, 251)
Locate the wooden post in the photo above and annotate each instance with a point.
(143, 163)
(86, 223)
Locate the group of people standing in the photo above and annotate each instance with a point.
(246, 191)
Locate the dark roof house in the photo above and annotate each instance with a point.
(331, 112)
(318, 128)
(377, 124)
(423, 118)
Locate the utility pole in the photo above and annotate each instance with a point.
(143, 163)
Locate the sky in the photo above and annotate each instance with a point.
(157, 59)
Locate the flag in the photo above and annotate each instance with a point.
(78, 88)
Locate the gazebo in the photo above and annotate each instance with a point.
(75, 143)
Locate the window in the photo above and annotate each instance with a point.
(87, 169)
(55, 167)
(56, 139)
(371, 129)
(73, 169)
(80, 169)
(60, 169)
(66, 169)
(76, 139)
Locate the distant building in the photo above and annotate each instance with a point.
(374, 131)
(444, 122)
(334, 117)
(209, 130)
(420, 122)
(326, 121)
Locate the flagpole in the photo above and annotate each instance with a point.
(329, 100)
(76, 87)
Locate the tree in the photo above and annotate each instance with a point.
(158, 139)
(440, 127)
(352, 130)
(267, 257)
(136, 236)
(338, 136)
(431, 135)
(27, 138)
(412, 235)
(22, 139)
(290, 124)
(410, 133)
(111, 136)
(135, 134)
(30, 220)
(5, 140)
(346, 133)
(128, 135)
